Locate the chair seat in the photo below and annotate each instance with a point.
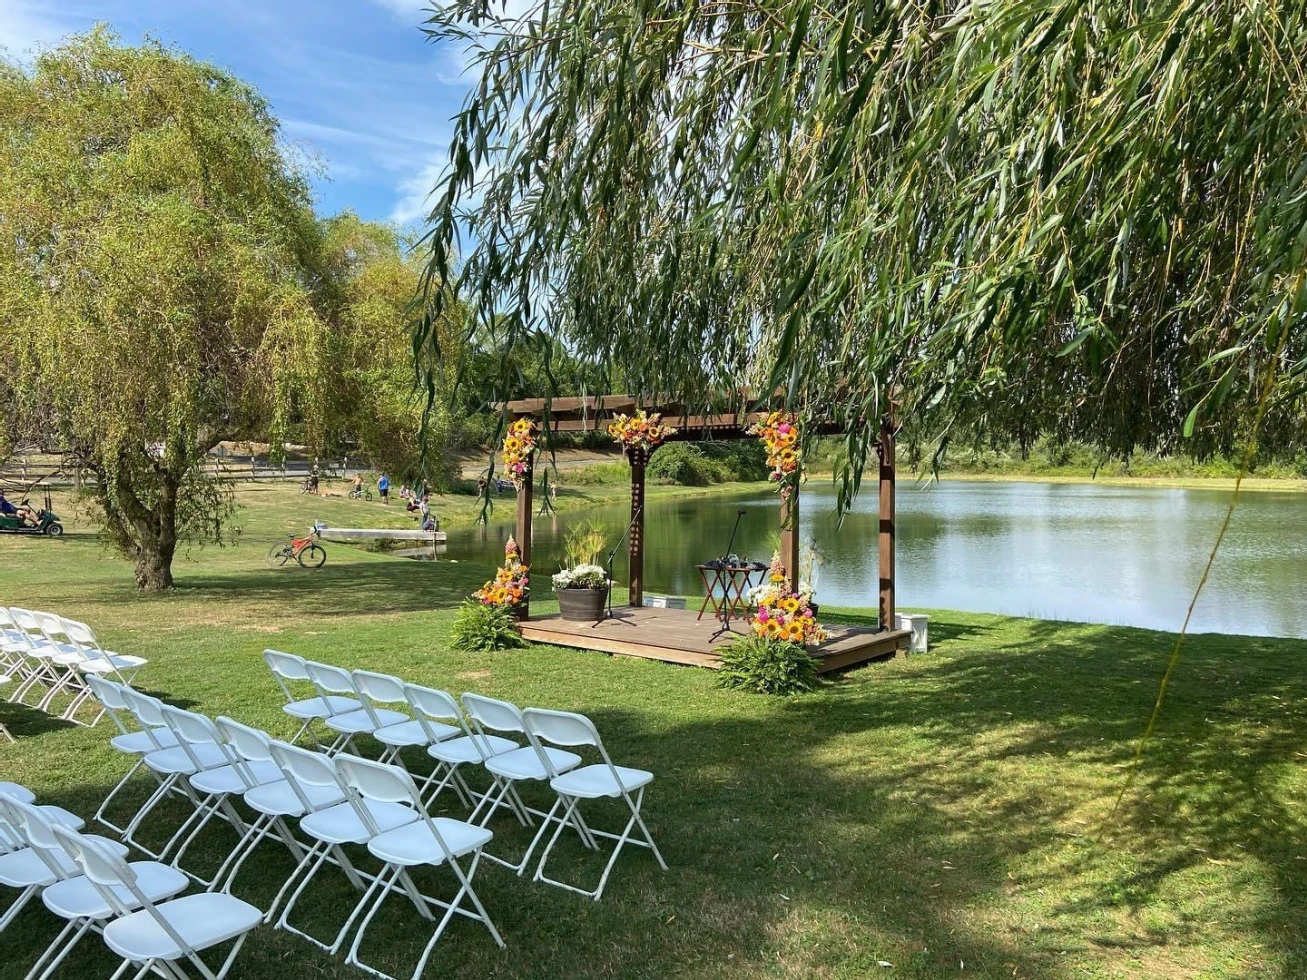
(592, 782)
(341, 825)
(228, 779)
(201, 920)
(320, 707)
(177, 761)
(469, 748)
(414, 844)
(526, 764)
(412, 733)
(279, 799)
(111, 663)
(21, 869)
(140, 743)
(21, 793)
(358, 722)
(78, 898)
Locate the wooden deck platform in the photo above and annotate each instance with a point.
(678, 636)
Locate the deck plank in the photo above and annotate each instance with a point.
(679, 636)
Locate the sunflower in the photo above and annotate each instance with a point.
(790, 604)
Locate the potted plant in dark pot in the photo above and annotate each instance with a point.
(582, 585)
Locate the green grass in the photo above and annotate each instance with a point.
(944, 813)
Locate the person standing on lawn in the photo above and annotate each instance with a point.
(383, 486)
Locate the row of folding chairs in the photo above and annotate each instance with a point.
(48, 658)
(340, 798)
(481, 732)
(87, 881)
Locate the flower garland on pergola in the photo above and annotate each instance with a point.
(518, 450)
(640, 431)
(779, 432)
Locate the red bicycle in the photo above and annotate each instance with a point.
(306, 551)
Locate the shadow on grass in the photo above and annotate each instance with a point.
(932, 813)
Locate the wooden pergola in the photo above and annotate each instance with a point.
(593, 413)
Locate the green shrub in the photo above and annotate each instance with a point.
(766, 666)
(481, 628)
(742, 460)
(684, 464)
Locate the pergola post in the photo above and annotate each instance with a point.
(523, 529)
(790, 536)
(638, 459)
(885, 449)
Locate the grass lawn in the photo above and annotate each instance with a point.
(944, 814)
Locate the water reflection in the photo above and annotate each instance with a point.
(1080, 552)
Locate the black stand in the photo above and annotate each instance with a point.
(726, 588)
(612, 556)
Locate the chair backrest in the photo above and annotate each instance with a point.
(561, 727)
(7, 619)
(51, 626)
(501, 716)
(430, 704)
(193, 730)
(25, 620)
(81, 635)
(285, 666)
(35, 828)
(112, 875)
(250, 744)
(111, 699)
(12, 837)
(378, 781)
(147, 710)
(329, 679)
(304, 766)
(382, 688)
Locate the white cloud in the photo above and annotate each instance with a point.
(415, 191)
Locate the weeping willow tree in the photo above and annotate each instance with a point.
(159, 264)
(1085, 216)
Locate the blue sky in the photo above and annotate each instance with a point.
(356, 85)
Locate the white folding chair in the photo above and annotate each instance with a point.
(65, 658)
(288, 669)
(384, 689)
(531, 763)
(273, 802)
(160, 936)
(95, 661)
(134, 741)
(353, 822)
(427, 840)
(14, 666)
(170, 765)
(27, 868)
(11, 838)
(72, 896)
(39, 655)
(214, 785)
(589, 783)
(365, 720)
(460, 747)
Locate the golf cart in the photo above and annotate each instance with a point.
(45, 521)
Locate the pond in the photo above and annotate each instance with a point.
(1083, 552)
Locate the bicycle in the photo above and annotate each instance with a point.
(305, 551)
(360, 493)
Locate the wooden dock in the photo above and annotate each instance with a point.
(380, 534)
(678, 636)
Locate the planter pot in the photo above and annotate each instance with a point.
(582, 605)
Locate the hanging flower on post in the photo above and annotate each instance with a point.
(639, 431)
(519, 448)
(511, 586)
(779, 432)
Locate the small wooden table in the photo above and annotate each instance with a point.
(733, 580)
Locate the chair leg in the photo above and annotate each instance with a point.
(11, 913)
(99, 814)
(63, 947)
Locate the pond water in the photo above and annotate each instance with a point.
(1083, 552)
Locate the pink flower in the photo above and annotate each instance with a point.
(762, 615)
(784, 428)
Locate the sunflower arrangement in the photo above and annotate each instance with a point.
(511, 586)
(639, 431)
(785, 614)
(779, 432)
(519, 446)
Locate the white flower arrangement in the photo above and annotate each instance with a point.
(581, 577)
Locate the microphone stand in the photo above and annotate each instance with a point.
(727, 582)
(612, 556)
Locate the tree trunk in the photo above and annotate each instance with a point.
(153, 570)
